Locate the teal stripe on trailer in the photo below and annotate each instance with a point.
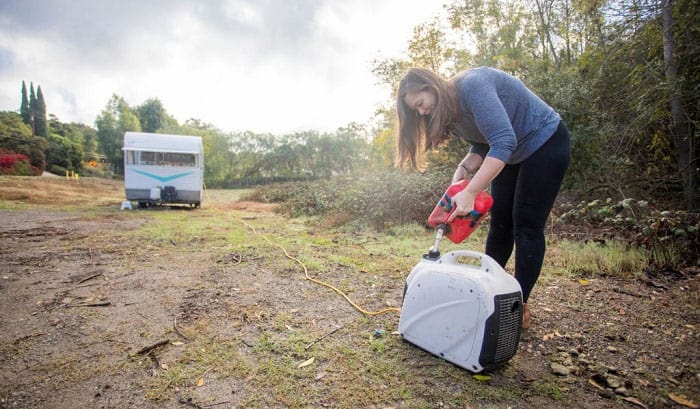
(162, 178)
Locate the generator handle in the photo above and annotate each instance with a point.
(488, 264)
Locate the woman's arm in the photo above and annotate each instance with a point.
(467, 167)
(464, 200)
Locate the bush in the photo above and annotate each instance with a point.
(94, 171)
(385, 200)
(58, 170)
(16, 164)
(672, 238)
(669, 239)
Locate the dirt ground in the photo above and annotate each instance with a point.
(81, 303)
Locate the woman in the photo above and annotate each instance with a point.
(519, 146)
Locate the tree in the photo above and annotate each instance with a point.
(680, 126)
(24, 110)
(41, 125)
(32, 108)
(218, 158)
(17, 136)
(383, 150)
(89, 138)
(116, 119)
(390, 71)
(153, 116)
(502, 32)
(66, 146)
(427, 48)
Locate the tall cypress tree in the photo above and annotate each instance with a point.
(40, 118)
(32, 108)
(24, 110)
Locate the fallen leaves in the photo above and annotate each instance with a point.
(682, 400)
(550, 336)
(635, 401)
(596, 384)
(306, 363)
(200, 381)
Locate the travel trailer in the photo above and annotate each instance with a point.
(163, 169)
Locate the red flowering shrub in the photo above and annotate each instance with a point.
(13, 163)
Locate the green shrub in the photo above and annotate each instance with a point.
(385, 200)
(22, 168)
(671, 238)
(92, 172)
(57, 170)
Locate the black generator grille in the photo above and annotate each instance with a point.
(502, 330)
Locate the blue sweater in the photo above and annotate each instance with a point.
(501, 117)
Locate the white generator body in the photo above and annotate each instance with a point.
(470, 315)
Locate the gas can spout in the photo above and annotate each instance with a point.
(434, 252)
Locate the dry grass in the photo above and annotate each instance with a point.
(58, 192)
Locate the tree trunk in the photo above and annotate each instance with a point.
(680, 126)
(545, 31)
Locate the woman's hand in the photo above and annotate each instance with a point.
(464, 200)
(463, 204)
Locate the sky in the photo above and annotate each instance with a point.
(266, 66)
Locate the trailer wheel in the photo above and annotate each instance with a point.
(143, 205)
(196, 205)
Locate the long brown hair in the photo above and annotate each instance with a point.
(419, 133)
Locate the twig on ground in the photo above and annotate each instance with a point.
(162, 391)
(177, 331)
(322, 337)
(656, 285)
(632, 293)
(20, 339)
(151, 347)
(89, 278)
(94, 304)
(216, 404)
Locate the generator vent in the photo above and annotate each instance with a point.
(502, 330)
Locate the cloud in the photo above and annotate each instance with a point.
(262, 65)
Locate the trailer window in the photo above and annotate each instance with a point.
(178, 159)
(162, 159)
(130, 157)
(147, 158)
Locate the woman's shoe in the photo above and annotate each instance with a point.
(526, 316)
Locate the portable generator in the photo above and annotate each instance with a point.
(468, 314)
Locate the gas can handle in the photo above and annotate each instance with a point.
(488, 264)
(474, 216)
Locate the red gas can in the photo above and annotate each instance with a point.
(461, 227)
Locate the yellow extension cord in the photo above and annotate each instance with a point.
(308, 277)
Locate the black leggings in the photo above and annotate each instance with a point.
(523, 195)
